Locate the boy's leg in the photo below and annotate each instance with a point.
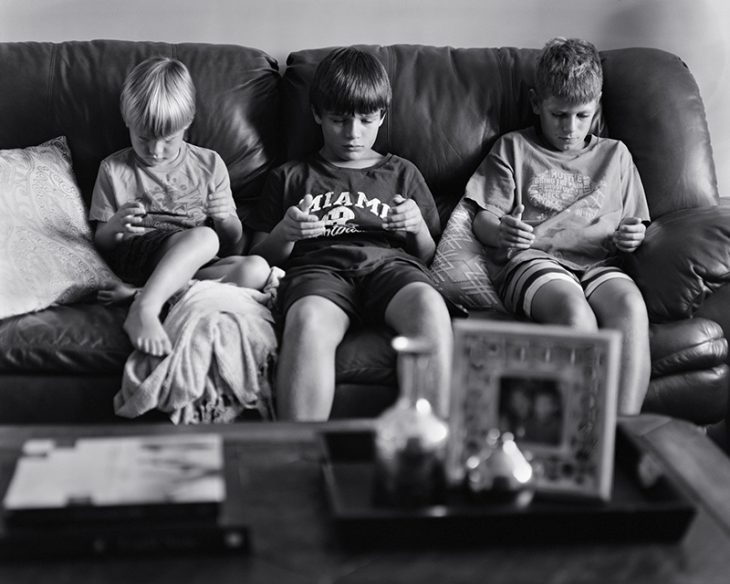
(419, 310)
(546, 292)
(244, 271)
(619, 305)
(305, 376)
(562, 302)
(180, 257)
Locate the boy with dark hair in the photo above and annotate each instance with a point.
(354, 229)
(557, 205)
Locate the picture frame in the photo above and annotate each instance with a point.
(553, 387)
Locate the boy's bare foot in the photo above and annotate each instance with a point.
(120, 294)
(145, 330)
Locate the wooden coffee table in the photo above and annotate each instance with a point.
(275, 486)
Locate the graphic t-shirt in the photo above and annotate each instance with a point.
(574, 200)
(174, 195)
(353, 203)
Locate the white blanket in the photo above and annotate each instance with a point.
(222, 361)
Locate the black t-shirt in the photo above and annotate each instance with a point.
(353, 203)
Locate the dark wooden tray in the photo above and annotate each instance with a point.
(660, 512)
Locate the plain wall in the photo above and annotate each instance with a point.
(696, 30)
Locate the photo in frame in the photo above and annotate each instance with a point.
(554, 388)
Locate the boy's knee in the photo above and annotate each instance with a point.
(574, 313)
(308, 319)
(421, 308)
(204, 238)
(248, 271)
(629, 303)
(256, 266)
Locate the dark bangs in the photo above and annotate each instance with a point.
(349, 81)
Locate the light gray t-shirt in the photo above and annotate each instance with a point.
(574, 200)
(173, 195)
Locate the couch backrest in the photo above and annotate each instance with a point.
(450, 105)
(72, 89)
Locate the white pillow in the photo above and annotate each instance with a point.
(459, 268)
(47, 255)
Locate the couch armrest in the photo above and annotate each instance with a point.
(683, 260)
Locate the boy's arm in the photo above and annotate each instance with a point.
(276, 246)
(632, 228)
(421, 244)
(230, 234)
(126, 222)
(508, 231)
(272, 246)
(221, 209)
(486, 228)
(406, 216)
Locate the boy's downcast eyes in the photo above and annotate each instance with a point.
(363, 118)
(582, 115)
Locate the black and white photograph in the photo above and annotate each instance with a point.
(441, 288)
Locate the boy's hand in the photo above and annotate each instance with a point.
(405, 216)
(220, 206)
(299, 224)
(127, 221)
(514, 232)
(629, 235)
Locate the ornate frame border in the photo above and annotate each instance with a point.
(584, 368)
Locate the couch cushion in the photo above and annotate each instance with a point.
(365, 356)
(686, 345)
(72, 89)
(698, 396)
(76, 339)
(46, 251)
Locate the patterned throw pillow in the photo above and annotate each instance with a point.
(459, 268)
(46, 251)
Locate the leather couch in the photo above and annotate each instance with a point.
(64, 364)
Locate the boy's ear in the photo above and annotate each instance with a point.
(382, 117)
(534, 102)
(317, 117)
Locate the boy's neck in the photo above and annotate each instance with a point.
(367, 160)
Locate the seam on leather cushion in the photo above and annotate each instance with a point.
(79, 338)
(684, 258)
(459, 269)
(700, 356)
(708, 388)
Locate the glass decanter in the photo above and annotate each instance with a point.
(410, 440)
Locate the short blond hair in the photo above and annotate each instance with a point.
(569, 69)
(158, 97)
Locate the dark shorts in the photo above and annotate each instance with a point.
(135, 258)
(363, 297)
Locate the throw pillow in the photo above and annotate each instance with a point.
(47, 255)
(458, 267)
